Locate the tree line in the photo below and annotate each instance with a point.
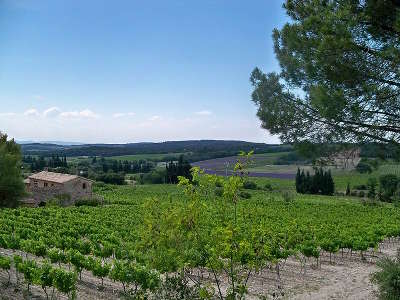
(319, 183)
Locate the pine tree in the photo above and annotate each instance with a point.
(11, 182)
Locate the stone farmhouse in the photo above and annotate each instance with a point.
(46, 185)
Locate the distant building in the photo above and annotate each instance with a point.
(46, 185)
(346, 159)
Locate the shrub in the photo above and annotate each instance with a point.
(155, 177)
(388, 278)
(388, 186)
(219, 192)
(91, 201)
(250, 185)
(371, 185)
(361, 194)
(245, 195)
(111, 178)
(268, 187)
(363, 167)
(360, 187)
(348, 191)
(59, 200)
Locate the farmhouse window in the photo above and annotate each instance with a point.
(46, 184)
(84, 186)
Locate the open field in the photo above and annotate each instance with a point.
(329, 225)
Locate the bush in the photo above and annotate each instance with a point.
(360, 187)
(388, 186)
(361, 194)
(245, 195)
(250, 185)
(155, 177)
(59, 200)
(354, 193)
(92, 201)
(372, 183)
(388, 278)
(268, 187)
(219, 192)
(363, 168)
(111, 178)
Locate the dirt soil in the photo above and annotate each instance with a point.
(344, 275)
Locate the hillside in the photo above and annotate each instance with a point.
(222, 147)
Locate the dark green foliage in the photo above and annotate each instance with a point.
(388, 278)
(93, 201)
(219, 192)
(245, 195)
(111, 178)
(343, 56)
(319, 183)
(195, 150)
(249, 185)
(268, 187)
(11, 182)
(155, 177)
(388, 185)
(174, 170)
(363, 168)
(371, 185)
(348, 191)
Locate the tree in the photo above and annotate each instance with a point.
(11, 182)
(388, 186)
(340, 77)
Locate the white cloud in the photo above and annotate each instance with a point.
(8, 114)
(154, 118)
(33, 112)
(203, 113)
(51, 112)
(87, 113)
(121, 115)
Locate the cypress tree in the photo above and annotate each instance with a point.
(298, 181)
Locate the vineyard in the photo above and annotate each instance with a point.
(146, 232)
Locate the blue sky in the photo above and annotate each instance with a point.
(130, 71)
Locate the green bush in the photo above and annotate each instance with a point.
(371, 184)
(245, 195)
(268, 187)
(361, 194)
(91, 201)
(219, 192)
(59, 200)
(354, 193)
(388, 186)
(250, 185)
(388, 278)
(363, 168)
(360, 187)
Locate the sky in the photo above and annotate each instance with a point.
(124, 71)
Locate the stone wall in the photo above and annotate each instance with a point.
(76, 189)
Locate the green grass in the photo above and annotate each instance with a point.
(341, 178)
